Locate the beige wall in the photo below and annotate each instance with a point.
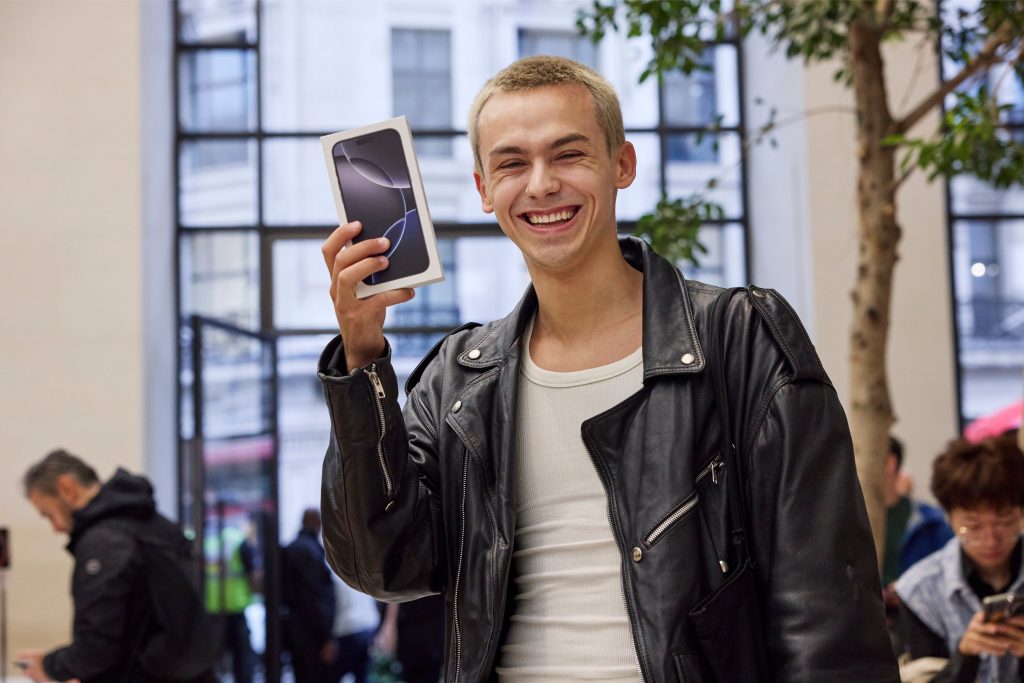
(921, 351)
(70, 270)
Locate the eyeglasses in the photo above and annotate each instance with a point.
(1001, 530)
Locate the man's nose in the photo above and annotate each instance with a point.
(542, 181)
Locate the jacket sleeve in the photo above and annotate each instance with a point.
(106, 571)
(921, 641)
(811, 543)
(381, 518)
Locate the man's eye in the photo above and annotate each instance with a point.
(510, 164)
(570, 155)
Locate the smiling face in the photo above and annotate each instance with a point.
(548, 177)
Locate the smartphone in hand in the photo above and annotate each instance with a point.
(1002, 606)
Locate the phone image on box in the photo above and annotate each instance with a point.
(375, 179)
(1002, 607)
(377, 191)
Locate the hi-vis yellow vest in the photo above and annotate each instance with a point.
(236, 591)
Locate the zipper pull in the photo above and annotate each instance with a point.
(715, 466)
(375, 381)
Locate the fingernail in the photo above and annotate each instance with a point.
(384, 241)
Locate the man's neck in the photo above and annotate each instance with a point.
(589, 317)
(86, 495)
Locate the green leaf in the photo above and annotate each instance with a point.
(673, 227)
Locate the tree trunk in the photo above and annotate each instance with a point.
(871, 415)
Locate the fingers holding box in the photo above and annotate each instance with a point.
(360, 321)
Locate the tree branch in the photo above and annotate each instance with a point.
(1006, 72)
(812, 112)
(918, 66)
(884, 10)
(986, 57)
(898, 182)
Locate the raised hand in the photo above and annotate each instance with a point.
(360, 321)
(983, 638)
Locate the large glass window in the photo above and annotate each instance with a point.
(987, 239)
(421, 85)
(259, 81)
(562, 43)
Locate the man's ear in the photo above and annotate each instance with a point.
(625, 165)
(481, 187)
(67, 488)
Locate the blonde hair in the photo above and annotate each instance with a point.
(539, 71)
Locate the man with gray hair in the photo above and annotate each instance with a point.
(632, 477)
(138, 613)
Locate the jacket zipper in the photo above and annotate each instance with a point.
(684, 508)
(634, 621)
(458, 570)
(378, 396)
(711, 468)
(674, 517)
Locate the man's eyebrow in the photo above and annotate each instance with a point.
(569, 139)
(560, 142)
(506, 149)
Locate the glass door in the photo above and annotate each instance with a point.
(230, 492)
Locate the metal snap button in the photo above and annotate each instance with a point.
(687, 359)
(474, 354)
(457, 406)
(757, 292)
(638, 554)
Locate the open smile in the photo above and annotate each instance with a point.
(550, 217)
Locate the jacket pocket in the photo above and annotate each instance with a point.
(674, 517)
(711, 472)
(730, 631)
(690, 668)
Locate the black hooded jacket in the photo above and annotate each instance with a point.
(114, 618)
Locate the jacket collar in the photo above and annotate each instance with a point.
(670, 343)
(955, 569)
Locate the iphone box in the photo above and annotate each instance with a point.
(376, 181)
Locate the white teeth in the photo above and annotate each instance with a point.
(551, 217)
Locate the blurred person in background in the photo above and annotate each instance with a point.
(913, 529)
(981, 488)
(232, 576)
(138, 613)
(413, 633)
(309, 597)
(355, 626)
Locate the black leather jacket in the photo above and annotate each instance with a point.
(423, 502)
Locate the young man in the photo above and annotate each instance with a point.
(125, 553)
(981, 488)
(562, 475)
